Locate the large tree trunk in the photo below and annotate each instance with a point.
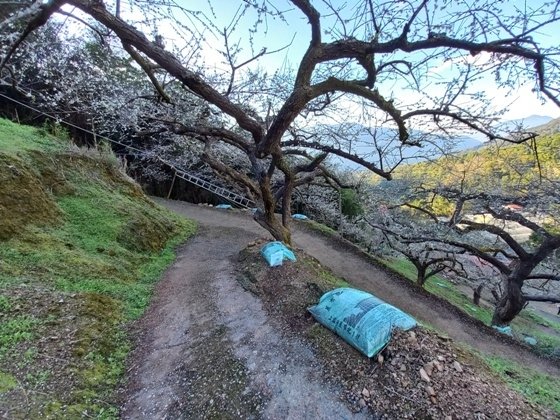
(420, 270)
(510, 304)
(287, 206)
(512, 300)
(477, 294)
(270, 222)
(268, 219)
(421, 276)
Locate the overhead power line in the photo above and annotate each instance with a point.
(224, 193)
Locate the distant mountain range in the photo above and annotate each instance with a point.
(437, 147)
(532, 121)
(550, 127)
(433, 146)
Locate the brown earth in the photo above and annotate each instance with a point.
(421, 374)
(208, 348)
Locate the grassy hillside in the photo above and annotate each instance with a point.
(507, 165)
(527, 323)
(80, 250)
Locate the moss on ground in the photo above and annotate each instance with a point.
(320, 227)
(141, 233)
(24, 199)
(7, 382)
(80, 250)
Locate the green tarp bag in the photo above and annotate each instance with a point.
(361, 319)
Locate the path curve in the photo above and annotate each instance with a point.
(206, 348)
(360, 272)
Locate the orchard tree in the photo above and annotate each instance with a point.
(414, 65)
(429, 258)
(15, 9)
(92, 83)
(480, 224)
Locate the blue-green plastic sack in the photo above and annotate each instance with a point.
(530, 340)
(361, 319)
(504, 330)
(275, 252)
(299, 216)
(224, 206)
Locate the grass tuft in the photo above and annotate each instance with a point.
(538, 388)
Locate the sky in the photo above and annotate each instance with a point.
(291, 34)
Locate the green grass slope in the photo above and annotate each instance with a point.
(80, 250)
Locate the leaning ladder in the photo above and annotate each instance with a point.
(230, 196)
(216, 189)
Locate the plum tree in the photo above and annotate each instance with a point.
(414, 65)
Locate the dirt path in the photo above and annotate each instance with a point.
(207, 349)
(364, 275)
